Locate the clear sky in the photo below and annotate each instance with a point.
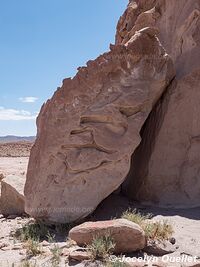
(41, 43)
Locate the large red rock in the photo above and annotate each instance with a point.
(89, 129)
(127, 236)
(165, 167)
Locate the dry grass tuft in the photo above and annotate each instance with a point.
(56, 256)
(27, 263)
(162, 230)
(101, 248)
(136, 217)
(32, 231)
(33, 248)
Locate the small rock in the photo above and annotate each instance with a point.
(65, 252)
(19, 218)
(22, 252)
(12, 217)
(7, 248)
(46, 251)
(45, 243)
(3, 245)
(79, 255)
(172, 240)
(60, 245)
(159, 248)
(17, 246)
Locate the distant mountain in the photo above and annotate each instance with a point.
(13, 138)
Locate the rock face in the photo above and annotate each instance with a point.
(89, 133)
(89, 129)
(178, 24)
(165, 167)
(12, 197)
(127, 236)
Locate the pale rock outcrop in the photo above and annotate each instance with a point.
(165, 167)
(178, 25)
(12, 197)
(127, 236)
(89, 129)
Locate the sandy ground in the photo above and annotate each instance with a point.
(14, 166)
(186, 222)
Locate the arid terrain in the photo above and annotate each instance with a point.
(185, 223)
(17, 149)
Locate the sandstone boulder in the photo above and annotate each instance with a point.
(165, 166)
(128, 236)
(89, 129)
(12, 197)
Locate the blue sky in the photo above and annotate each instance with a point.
(41, 43)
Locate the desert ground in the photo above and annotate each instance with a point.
(20, 149)
(185, 223)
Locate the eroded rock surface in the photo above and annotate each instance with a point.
(178, 25)
(93, 124)
(89, 129)
(165, 167)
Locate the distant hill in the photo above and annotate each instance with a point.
(12, 138)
